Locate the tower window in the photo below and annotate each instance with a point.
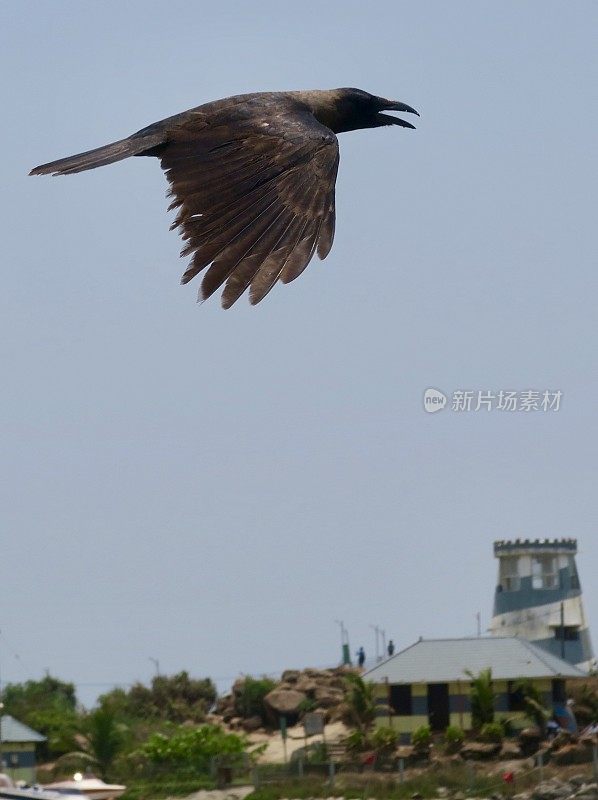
(544, 572)
(509, 575)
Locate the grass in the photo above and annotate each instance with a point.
(158, 788)
(466, 778)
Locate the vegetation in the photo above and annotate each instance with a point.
(385, 786)
(384, 740)
(191, 750)
(249, 701)
(454, 737)
(535, 710)
(421, 737)
(491, 732)
(361, 701)
(48, 706)
(482, 697)
(177, 699)
(585, 697)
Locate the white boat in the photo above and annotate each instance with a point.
(86, 786)
(23, 791)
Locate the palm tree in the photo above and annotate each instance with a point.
(482, 697)
(101, 742)
(361, 701)
(105, 739)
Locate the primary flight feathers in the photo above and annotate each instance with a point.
(253, 179)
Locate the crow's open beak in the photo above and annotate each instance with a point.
(396, 105)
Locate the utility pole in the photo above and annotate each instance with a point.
(479, 621)
(376, 629)
(384, 653)
(156, 664)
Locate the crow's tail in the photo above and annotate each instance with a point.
(135, 145)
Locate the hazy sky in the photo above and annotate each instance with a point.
(213, 489)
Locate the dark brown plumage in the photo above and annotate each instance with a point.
(253, 180)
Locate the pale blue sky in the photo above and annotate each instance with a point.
(214, 489)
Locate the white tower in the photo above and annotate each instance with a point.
(538, 597)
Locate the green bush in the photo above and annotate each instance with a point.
(491, 732)
(356, 741)
(384, 739)
(421, 737)
(249, 702)
(190, 750)
(306, 705)
(453, 738)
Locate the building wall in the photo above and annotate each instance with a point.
(459, 706)
(19, 760)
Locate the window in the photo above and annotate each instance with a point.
(516, 697)
(400, 699)
(509, 574)
(570, 633)
(544, 572)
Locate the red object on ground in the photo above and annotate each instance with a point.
(508, 777)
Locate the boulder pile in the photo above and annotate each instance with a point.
(295, 694)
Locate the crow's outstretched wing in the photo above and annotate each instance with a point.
(254, 189)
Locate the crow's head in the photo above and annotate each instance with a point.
(359, 109)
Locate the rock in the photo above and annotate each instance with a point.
(552, 790)
(405, 751)
(576, 753)
(578, 780)
(530, 740)
(522, 796)
(417, 796)
(327, 697)
(290, 676)
(307, 685)
(561, 739)
(285, 701)
(510, 749)
(252, 723)
(442, 791)
(480, 751)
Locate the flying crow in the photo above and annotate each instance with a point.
(252, 177)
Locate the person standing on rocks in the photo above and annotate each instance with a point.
(361, 657)
(391, 647)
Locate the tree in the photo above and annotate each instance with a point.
(105, 739)
(361, 701)
(190, 750)
(48, 706)
(482, 697)
(175, 698)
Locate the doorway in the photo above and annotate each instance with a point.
(438, 706)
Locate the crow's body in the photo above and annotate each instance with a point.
(253, 180)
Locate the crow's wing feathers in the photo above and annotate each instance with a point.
(255, 196)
